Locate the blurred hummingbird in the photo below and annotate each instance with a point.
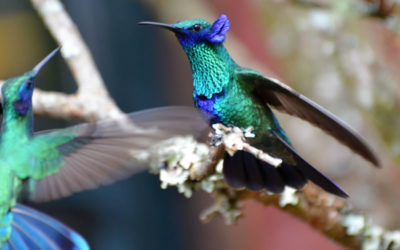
(56, 163)
(232, 95)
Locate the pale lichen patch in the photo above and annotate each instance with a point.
(354, 223)
(392, 240)
(374, 237)
(224, 206)
(213, 182)
(288, 197)
(173, 159)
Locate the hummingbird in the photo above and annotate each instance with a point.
(52, 164)
(233, 95)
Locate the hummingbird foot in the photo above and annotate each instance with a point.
(234, 139)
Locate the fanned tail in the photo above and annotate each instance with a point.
(244, 170)
(34, 230)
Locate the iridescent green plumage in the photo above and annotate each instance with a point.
(22, 227)
(233, 95)
(56, 163)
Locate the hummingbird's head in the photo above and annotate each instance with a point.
(197, 31)
(18, 90)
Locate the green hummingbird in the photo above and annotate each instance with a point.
(232, 95)
(56, 163)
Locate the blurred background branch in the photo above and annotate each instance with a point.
(91, 93)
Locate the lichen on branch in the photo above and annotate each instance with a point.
(173, 160)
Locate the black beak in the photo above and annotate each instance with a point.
(40, 65)
(162, 25)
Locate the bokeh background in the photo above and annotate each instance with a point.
(343, 54)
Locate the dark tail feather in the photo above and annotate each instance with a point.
(234, 170)
(34, 230)
(255, 180)
(244, 170)
(313, 174)
(272, 180)
(292, 176)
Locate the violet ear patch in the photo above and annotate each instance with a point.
(218, 30)
(21, 107)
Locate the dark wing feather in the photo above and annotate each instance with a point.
(309, 172)
(285, 99)
(88, 155)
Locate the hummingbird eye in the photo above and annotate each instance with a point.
(29, 84)
(197, 27)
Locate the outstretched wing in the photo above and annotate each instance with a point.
(32, 229)
(88, 155)
(285, 99)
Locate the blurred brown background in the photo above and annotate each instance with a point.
(342, 54)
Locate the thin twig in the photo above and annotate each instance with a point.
(234, 139)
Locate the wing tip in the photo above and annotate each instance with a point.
(348, 136)
(338, 191)
(47, 232)
(375, 161)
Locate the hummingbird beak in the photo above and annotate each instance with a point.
(40, 65)
(162, 25)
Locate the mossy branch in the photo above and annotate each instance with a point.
(330, 215)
